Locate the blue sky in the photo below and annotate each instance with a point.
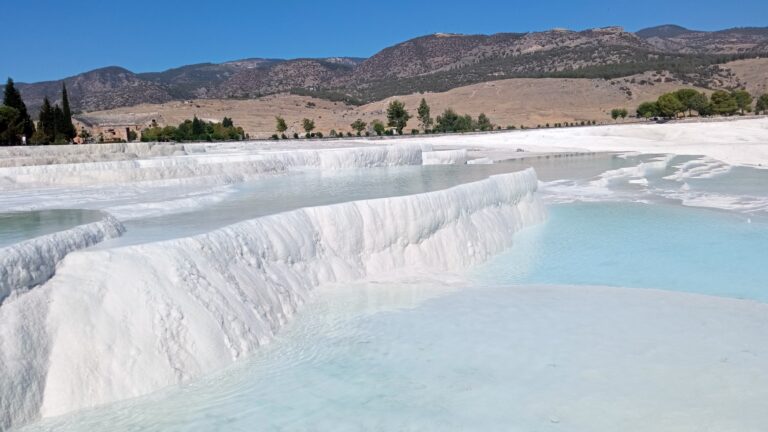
(59, 38)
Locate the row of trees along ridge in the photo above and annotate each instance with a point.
(397, 119)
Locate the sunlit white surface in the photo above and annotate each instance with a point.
(165, 312)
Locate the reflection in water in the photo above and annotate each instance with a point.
(19, 226)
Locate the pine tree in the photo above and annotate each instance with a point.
(397, 116)
(423, 114)
(280, 125)
(59, 125)
(69, 128)
(46, 129)
(743, 100)
(12, 98)
(484, 123)
(8, 128)
(198, 129)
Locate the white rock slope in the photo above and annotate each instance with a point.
(236, 166)
(122, 322)
(29, 263)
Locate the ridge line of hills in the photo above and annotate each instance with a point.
(435, 63)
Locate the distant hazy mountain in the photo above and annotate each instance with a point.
(430, 63)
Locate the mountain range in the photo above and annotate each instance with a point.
(436, 62)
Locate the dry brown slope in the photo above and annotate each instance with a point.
(256, 116)
(753, 73)
(530, 102)
(517, 102)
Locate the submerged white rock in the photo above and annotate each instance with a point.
(117, 323)
(445, 157)
(29, 263)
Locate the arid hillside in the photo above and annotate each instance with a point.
(431, 63)
(752, 74)
(513, 102)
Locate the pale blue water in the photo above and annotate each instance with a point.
(493, 352)
(20, 226)
(640, 245)
(521, 343)
(310, 188)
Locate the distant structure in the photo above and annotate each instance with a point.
(112, 128)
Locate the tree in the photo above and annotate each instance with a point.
(685, 96)
(227, 122)
(449, 121)
(198, 129)
(9, 130)
(465, 123)
(743, 100)
(280, 125)
(85, 136)
(11, 96)
(699, 103)
(23, 123)
(46, 130)
(615, 113)
(762, 104)
(189, 130)
(397, 116)
(622, 113)
(648, 110)
(359, 126)
(378, 127)
(484, 123)
(669, 105)
(68, 129)
(423, 115)
(446, 122)
(59, 126)
(308, 125)
(723, 103)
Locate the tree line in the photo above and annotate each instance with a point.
(396, 121)
(686, 101)
(54, 124)
(194, 130)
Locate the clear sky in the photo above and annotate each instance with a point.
(51, 39)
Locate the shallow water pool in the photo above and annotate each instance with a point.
(637, 245)
(20, 226)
